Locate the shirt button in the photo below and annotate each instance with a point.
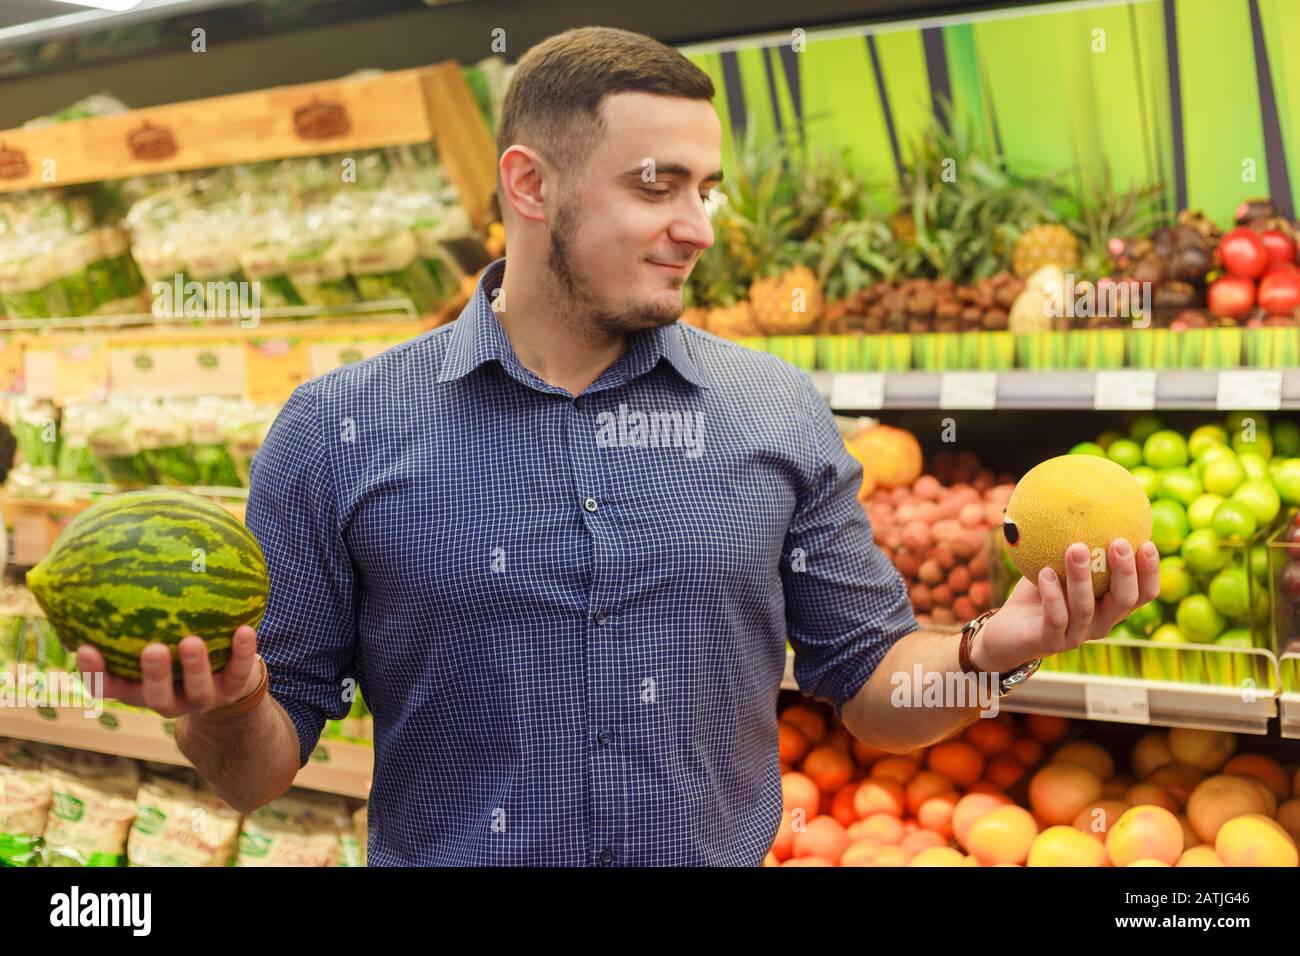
(604, 736)
(600, 617)
(579, 403)
(606, 856)
(590, 504)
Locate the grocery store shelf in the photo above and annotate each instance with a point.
(1024, 389)
(1165, 704)
(334, 767)
(1289, 713)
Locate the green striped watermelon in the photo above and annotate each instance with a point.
(149, 566)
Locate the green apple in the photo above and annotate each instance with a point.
(1175, 579)
(1149, 479)
(1180, 484)
(1200, 513)
(1144, 426)
(1256, 466)
(1205, 437)
(1237, 422)
(1168, 525)
(1165, 449)
(1144, 620)
(1261, 497)
(1222, 474)
(1203, 551)
(1198, 619)
(1287, 481)
(1262, 444)
(1234, 520)
(1259, 563)
(1229, 592)
(1088, 448)
(1108, 437)
(1286, 439)
(1125, 453)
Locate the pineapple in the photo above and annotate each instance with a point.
(1045, 245)
(790, 304)
(732, 321)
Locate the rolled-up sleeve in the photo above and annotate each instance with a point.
(846, 604)
(308, 634)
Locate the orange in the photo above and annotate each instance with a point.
(1288, 814)
(1066, 846)
(879, 796)
(1216, 800)
(1086, 754)
(921, 840)
(989, 737)
(881, 827)
(1098, 817)
(1116, 787)
(808, 861)
(799, 792)
(1202, 855)
(1148, 862)
(897, 768)
(891, 856)
(842, 804)
(985, 786)
(1151, 753)
(1045, 728)
(1190, 836)
(1255, 840)
(860, 853)
(790, 742)
(865, 754)
(771, 860)
(1180, 779)
(1003, 835)
(828, 767)
(923, 786)
(1206, 749)
(783, 845)
(969, 809)
(807, 719)
(938, 856)
(839, 738)
(1151, 793)
(958, 761)
(1145, 833)
(1027, 750)
(936, 813)
(823, 837)
(1004, 770)
(1060, 790)
(1262, 768)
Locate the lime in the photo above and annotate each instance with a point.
(1149, 479)
(1203, 551)
(1259, 563)
(1198, 619)
(1125, 453)
(1144, 426)
(1175, 580)
(1207, 436)
(1222, 475)
(1229, 592)
(1261, 443)
(1234, 521)
(1165, 449)
(1180, 484)
(1168, 526)
(1200, 513)
(1088, 448)
(1106, 438)
(1235, 637)
(1286, 439)
(1287, 481)
(1238, 422)
(1213, 453)
(1261, 497)
(1256, 467)
(1146, 618)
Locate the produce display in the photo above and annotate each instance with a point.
(61, 807)
(1012, 791)
(151, 566)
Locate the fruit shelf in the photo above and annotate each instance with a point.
(335, 766)
(1120, 389)
(1121, 700)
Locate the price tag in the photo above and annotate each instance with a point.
(80, 372)
(273, 368)
(11, 364)
(968, 390)
(854, 390)
(1120, 703)
(1250, 390)
(1125, 390)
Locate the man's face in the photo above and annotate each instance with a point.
(631, 224)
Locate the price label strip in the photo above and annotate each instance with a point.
(968, 390)
(1125, 390)
(1118, 703)
(273, 368)
(1250, 391)
(80, 372)
(855, 390)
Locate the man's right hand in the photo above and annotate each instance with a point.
(200, 690)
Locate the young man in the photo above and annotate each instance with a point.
(561, 542)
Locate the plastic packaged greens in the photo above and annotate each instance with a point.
(316, 265)
(265, 260)
(24, 803)
(382, 257)
(431, 225)
(36, 433)
(29, 287)
(91, 809)
(211, 244)
(114, 279)
(76, 459)
(215, 466)
(114, 444)
(246, 429)
(163, 435)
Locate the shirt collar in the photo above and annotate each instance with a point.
(478, 337)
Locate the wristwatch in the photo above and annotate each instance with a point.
(1008, 682)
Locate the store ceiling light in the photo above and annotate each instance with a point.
(116, 6)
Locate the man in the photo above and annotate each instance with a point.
(561, 542)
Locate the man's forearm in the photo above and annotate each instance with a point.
(900, 709)
(248, 760)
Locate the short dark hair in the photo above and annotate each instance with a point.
(553, 102)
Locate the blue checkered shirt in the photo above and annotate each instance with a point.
(568, 616)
